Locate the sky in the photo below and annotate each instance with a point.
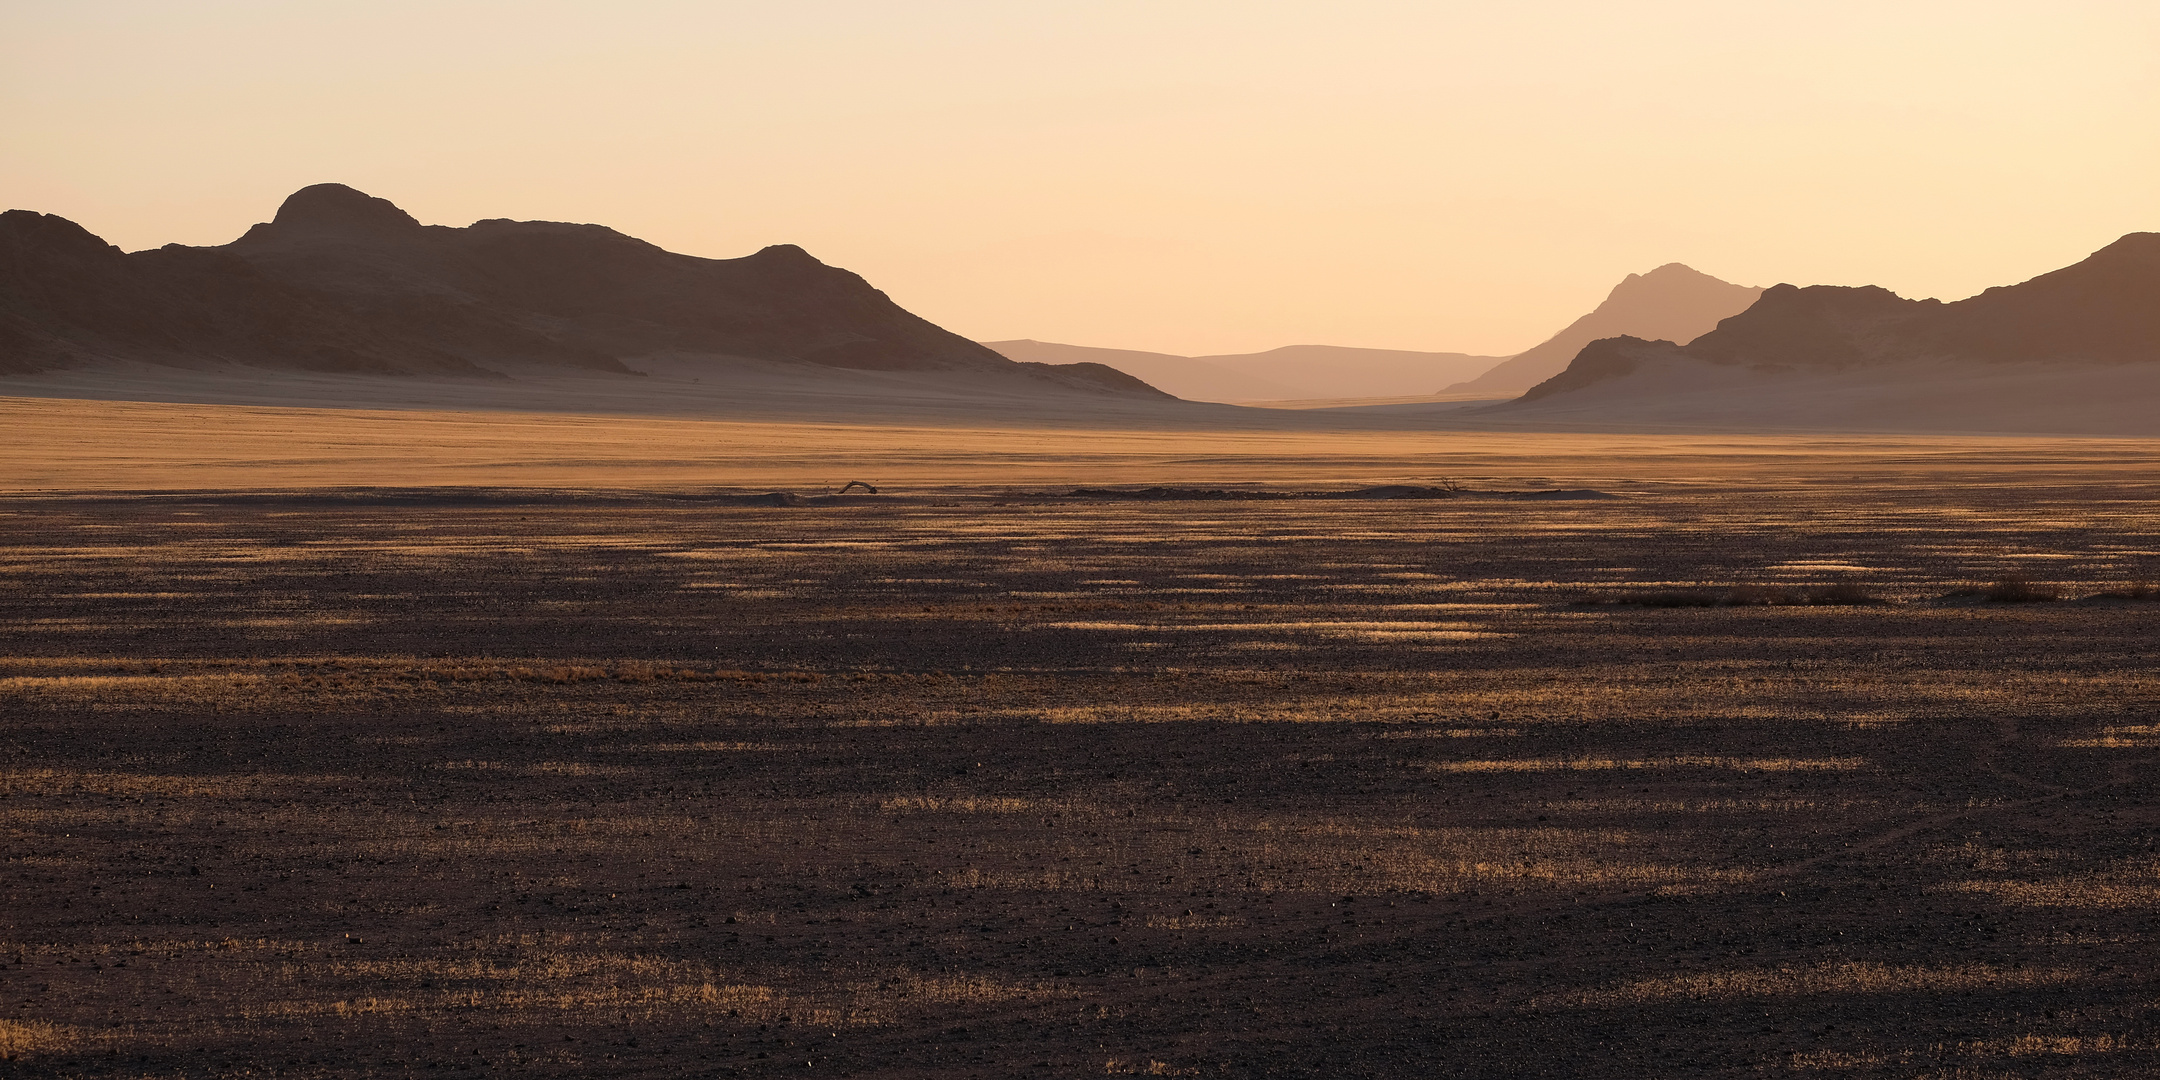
(1173, 175)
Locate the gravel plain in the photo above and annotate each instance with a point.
(968, 784)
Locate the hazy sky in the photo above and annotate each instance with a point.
(1184, 176)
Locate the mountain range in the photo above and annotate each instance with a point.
(343, 298)
(2076, 349)
(1672, 301)
(1291, 373)
(2104, 309)
(343, 282)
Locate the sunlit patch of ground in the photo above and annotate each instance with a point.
(1684, 761)
(1820, 979)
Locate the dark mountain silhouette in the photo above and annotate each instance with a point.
(1672, 302)
(2105, 309)
(340, 281)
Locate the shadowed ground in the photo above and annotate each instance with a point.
(944, 785)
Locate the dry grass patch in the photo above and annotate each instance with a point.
(2136, 885)
(968, 804)
(23, 1038)
(144, 785)
(707, 746)
(2118, 737)
(1848, 978)
(1683, 761)
(2129, 592)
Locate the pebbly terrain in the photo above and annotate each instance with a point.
(962, 786)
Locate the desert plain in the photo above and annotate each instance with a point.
(350, 743)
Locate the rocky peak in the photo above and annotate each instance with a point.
(335, 208)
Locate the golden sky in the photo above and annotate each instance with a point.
(1184, 176)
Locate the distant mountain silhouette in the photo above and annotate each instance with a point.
(1184, 376)
(1673, 302)
(2105, 310)
(340, 281)
(1288, 373)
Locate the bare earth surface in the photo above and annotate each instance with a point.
(960, 780)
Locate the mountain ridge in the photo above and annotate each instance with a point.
(2073, 350)
(1290, 372)
(2104, 308)
(342, 281)
(1674, 301)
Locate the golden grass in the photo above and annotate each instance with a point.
(1258, 858)
(23, 1038)
(1711, 806)
(1358, 630)
(1190, 921)
(2119, 737)
(1684, 761)
(1149, 1067)
(2032, 1045)
(1455, 733)
(1819, 979)
(145, 785)
(2131, 885)
(2066, 1045)
(969, 804)
(545, 980)
(707, 746)
(547, 990)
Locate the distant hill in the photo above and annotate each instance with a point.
(342, 282)
(1184, 376)
(1293, 372)
(2083, 341)
(1673, 302)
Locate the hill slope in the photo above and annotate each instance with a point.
(1673, 302)
(343, 282)
(1184, 376)
(2076, 342)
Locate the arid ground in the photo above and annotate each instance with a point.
(1753, 768)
